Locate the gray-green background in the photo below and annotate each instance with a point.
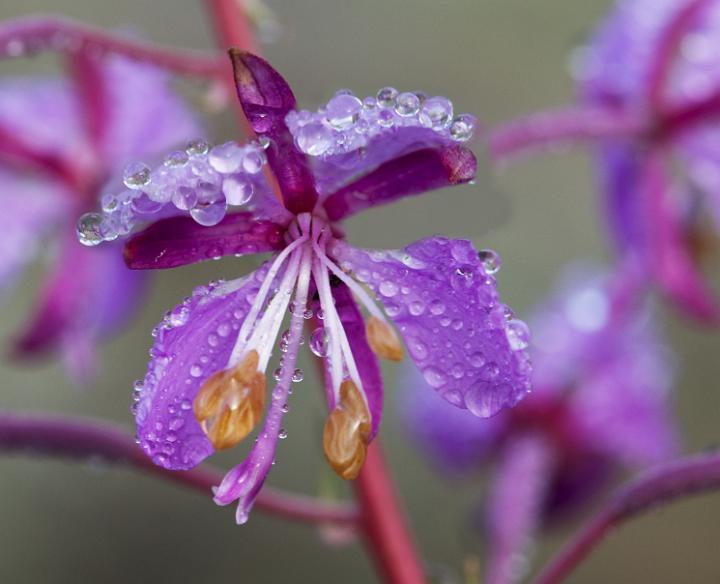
(62, 522)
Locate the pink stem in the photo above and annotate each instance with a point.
(233, 29)
(514, 506)
(387, 537)
(28, 35)
(667, 49)
(659, 486)
(86, 438)
(568, 125)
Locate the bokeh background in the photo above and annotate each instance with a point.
(64, 522)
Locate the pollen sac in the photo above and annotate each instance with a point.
(347, 432)
(383, 340)
(231, 402)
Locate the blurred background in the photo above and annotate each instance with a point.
(64, 522)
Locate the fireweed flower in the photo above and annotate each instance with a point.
(205, 388)
(649, 86)
(601, 380)
(60, 141)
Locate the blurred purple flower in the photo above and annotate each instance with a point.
(60, 141)
(205, 386)
(601, 380)
(649, 86)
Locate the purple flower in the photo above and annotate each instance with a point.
(206, 383)
(60, 141)
(649, 86)
(600, 402)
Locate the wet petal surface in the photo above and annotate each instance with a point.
(446, 306)
(194, 341)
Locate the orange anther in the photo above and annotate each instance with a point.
(383, 340)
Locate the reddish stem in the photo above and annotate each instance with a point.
(231, 25)
(387, 537)
(667, 49)
(233, 29)
(568, 125)
(659, 486)
(86, 439)
(28, 35)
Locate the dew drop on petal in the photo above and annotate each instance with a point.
(407, 104)
(481, 400)
(282, 434)
(184, 198)
(434, 377)
(209, 214)
(298, 375)
(462, 127)
(386, 96)
(314, 139)
(490, 261)
(89, 229)
(518, 335)
(388, 288)
(253, 161)
(197, 148)
(176, 159)
(319, 342)
(238, 190)
(436, 112)
(226, 158)
(342, 111)
(136, 175)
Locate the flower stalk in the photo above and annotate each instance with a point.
(657, 487)
(84, 439)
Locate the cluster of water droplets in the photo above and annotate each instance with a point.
(347, 123)
(199, 180)
(181, 356)
(442, 295)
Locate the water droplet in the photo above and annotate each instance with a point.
(89, 229)
(308, 314)
(179, 316)
(436, 112)
(490, 261)
(482, 399)
(136, 175)
(437, 307)
(298, 375)
(226, 158)
(388, 288)
(176, 159)
(518, 335)
(416, 308)
(407, 104)
(386, 96)
(434, 377)
(319, 342)
(238, 190)
(143, 204)
(184, 198)
(282, 434)
(277, 374)
(477, 359)
(342, 111)
(462, 127)
(197, 148)
(315, 139)
(253, 161)
(196, 371)
(462, 277)
(109, 203)
(210, 213)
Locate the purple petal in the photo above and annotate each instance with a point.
(453, 439)
(30, 209)
(446, 307)
(611, 369)
(515, 506)
(178, 241)
(145, 115)
(366, 361)
(194, 341)
(348, 138)
(266, 99)
(673, 264)
(88, 294)
(40, 127)
(411, 174)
